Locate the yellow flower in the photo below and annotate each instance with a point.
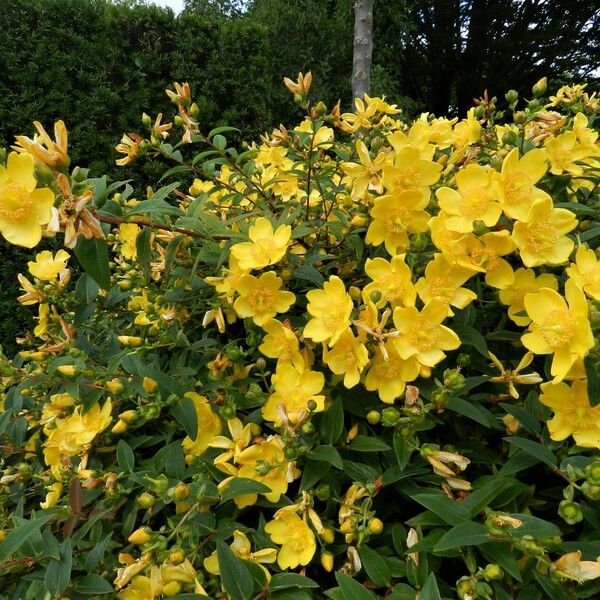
(140, 588)
(23, 208)
(281, 343)
(330, 308)
(516, 183)
(571, 566)
(512, 377)
(395, 216)
(392, 279)
(261, 298)
(266, 248)
(347, 357)
(293, 390)
(301, 86)
(52, 496)
(542, 239)
(389, 373)
(563, 152)
(442, 281)
(242, 549)
(475, 199)
(410, 172)
(298, 543)
(365, 175)
(557, 328)
(422, 334)
(209, 425)
(32, 294)
(74, 435)
(524, 282)
(585, 272)
(43, 321)
(128, 233)
(47, 267)
(43, 148)
(241, 436)
(464, 134)
(225, 286)
(130, 147)
(279, 471)
(573, 414)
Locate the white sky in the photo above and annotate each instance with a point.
(175, 5)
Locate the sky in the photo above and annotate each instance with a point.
(175, 5)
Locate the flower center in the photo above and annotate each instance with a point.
(541, 237)
(558, 328)
(15, 202)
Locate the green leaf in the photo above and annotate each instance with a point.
(534, 449)
(332, 422)
(375, 566)
(365, 443)
(125, 456)
(144, 251)
(235, 577)
(430, 590)
(472, 411)
(185, 413)
(240, 486)
(93, 256)
(469, 336)
(463, 534)
(554, 590)
(327, 454)
(351, 589)
(222, 129)
(525, 419)
(313, 471)
(94, 584)
(220, 142)
(96, 553)
(449, 510)
(593, 379)
(310, 274)
(534, 526)
(20, 534)
(501, 553)
(58, 572)
(281, 581)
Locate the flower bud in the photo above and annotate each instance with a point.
(262, 467)
(570, 512)
(311, 405)
(140, 536)
(130, 340)
(146, 500)
(590, 490)
(511, 96)
(150, 385)
(540, 87)
(328, 535)
(327, 560)
(375, 526)
(520, 117)
(68, 370)
(453, 379)
(323, 492)
(261, 364)
(439, 398)
(176, 557)
(120, 427)
(493, 573)
(308, 428)
(114, 386)
(373, 417)
(389, 416)
(592, 473)
(172, 588)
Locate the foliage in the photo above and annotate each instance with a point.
(354, 360)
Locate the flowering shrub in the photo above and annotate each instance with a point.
(354, 360)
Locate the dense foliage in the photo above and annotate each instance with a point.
(357, 359)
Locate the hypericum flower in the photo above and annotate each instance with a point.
(585, 272)
(564, 151)
(209, 425)
(524, 282)
(389, 373)
(23, 208)
(484, 254)
(361, 117)
(475, 199)
(43, 148)
(241, 436)
(128, 233)
(261, 298)
(330, 308)
(297, 540)
(322, 138)
(301, 86)
(347, 357)
(442, 281)
(418, 136)
(447, 465)
(572, 567)
(410, 172)
(422, 335)
(464, 134)
(392, 279)
(395, 216)
(242, 549)
(265, 462)
(365, 175)
(46, 267)
(266, 248)
(516, 183)
(225, 285)
(573, 414)
(281, 343)
(557, 328)
(293, 391)
(130, 146)
(32, 294)
(73, 436)
(512, 377)
(542, 239)
(52, 495)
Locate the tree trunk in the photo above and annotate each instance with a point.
(363, 47)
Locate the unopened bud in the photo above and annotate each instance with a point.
(373, 417)
(327, 561)
(511, 96)
(540, 87)
(140, 536)
(375, 526)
